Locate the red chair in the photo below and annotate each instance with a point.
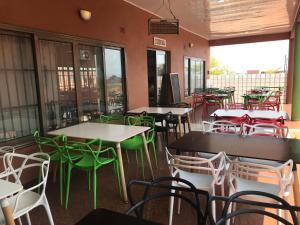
(273, 102)
(235, 106)
(197, 99)
(236, 120)
(211, 101)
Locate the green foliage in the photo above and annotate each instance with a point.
(217, 69)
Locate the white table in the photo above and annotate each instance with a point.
(7, 189)
(108, 132)
(258, 114)
(164, 110)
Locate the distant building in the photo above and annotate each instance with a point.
(250, 72)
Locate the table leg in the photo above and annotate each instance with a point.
(147, 154)
(189, 121)
(296, 190)
(121, 168)
(7, 212)
(179, 124)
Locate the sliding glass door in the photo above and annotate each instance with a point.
(114, 80)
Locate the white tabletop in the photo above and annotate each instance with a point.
(262, 114)
(8, 188)
(162, 110)
(107, 132)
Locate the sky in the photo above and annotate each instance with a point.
(255, 56)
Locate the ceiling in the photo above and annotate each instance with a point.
(227, 19)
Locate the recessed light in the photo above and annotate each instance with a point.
(220, 1)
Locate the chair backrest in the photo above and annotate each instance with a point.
(265, 129)
(227, 214)
(281, 175)
(161, 188)
(214, 165)
(3, 151)
(57, 142)
(220, 126)
(37, 161)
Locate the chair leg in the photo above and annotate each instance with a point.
(95, 188)
(154, 153)
(126, 151)
(20, 221)
(61, 182)
(28, 219)
(171, 209)
(68, 185)
(116, 170)
(142, 162)
(48, 211)
(179, 204)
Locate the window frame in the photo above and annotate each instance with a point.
(36, 35)
(189, 74)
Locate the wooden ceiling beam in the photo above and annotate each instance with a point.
(250, 39)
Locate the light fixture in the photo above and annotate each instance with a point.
(220, 1)
(191, 44)
(85, 14)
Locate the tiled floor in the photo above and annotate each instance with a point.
(107, 197)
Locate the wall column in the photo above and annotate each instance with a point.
(296, 76)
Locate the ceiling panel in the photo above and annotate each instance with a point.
(231, 18)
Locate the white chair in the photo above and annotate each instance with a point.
(220, 126)
(30, 198)
(207, 174)
(265, 129)
(245, 176)
(3, 151)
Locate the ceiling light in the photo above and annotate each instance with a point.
(220, 1)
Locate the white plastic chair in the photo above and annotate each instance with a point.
(30, 198)
(220, 126)
(265, 129)
(3, 151)
(245, 176)
(208, 173)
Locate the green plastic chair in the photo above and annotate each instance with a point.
(112, 118)
(91, 160)
(56, 145)
(136, 143)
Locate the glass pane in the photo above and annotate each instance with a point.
(59, 82)
(91, 82)
(193, 76)
(18, 96)
(161, 71)
(186, 77)
(114, 81)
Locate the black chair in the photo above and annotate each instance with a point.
(168, 190)
(174, 119)
(164, 127)
(240, 197)
(108, 217)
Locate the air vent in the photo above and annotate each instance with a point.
(163, 26)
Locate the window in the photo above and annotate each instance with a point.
(114, 79)
(91, 81)
(194, 70)
(59, 84)
(18, 97)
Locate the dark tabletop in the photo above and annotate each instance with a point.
(269, 148)
(108, 217)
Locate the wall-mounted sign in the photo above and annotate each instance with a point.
(160, 42)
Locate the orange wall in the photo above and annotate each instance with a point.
(108, 17)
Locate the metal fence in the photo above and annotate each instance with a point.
(246, 82)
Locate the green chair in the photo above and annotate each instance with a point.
(91, 160)
(56, 146)
(136, 143)
(112, 118)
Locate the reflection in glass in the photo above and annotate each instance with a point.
(91, 82)
(160, 71)
(114, 80)
(59, 82)
(194, 75)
